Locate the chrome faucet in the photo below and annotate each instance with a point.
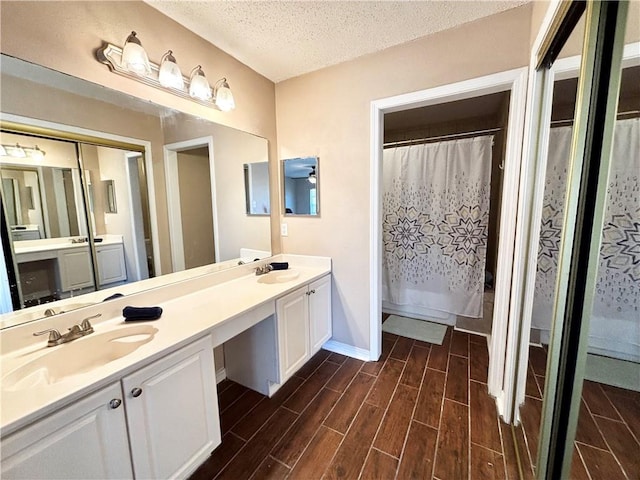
(77, 331)
(266, 268)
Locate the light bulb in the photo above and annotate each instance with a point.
(224, 97)
(37, 154)
(199, 86)
(17, 152)
(170, 75)
(134, 57)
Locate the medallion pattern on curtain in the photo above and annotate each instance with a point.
(435, 224)
(616, 311)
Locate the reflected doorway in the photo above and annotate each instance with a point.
(192, 215)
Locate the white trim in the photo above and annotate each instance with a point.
(514, 81)
(173, 209)
(501, 364)
(221, 374)
(132, 218)
(348, 350)
(173, 197)
(148, 160)
(533, 180)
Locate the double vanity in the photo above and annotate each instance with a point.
(138, 399)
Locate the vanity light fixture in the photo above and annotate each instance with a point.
(170, 75)
(132, 62)
(199, 85)
(223, 95)
(312, 175)
(134, 57)
(18, 151)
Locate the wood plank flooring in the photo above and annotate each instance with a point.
(607, 442)
(422, 411)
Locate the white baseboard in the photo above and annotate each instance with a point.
(221, 375)
(348, 350)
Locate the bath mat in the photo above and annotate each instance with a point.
(416, 329)
(611, 371)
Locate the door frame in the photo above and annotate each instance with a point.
(501, 361)
(176, 240)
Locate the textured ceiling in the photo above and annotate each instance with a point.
(284, 39)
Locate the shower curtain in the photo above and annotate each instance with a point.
(435, 224)
(615, 320)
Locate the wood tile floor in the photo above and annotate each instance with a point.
(608, 437)
(422, 411)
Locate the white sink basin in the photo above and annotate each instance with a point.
(78, 356)
(279, 276)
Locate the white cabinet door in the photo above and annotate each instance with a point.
(85, 440)
(111, 266)
(293, 331)
(172, 412)
(320, 312)
(75, 268)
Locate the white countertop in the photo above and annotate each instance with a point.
(45, 244)
(201, 306)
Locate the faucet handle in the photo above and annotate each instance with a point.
(54, 335)
(86, 326)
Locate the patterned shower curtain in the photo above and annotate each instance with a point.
(435, 224)
(615, 320)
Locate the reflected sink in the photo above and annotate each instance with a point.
(279, 276)
(78, 356)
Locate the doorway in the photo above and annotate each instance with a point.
(514, 83)
(190, 180)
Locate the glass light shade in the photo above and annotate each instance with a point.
(198, 85)
(36, 154)
(169, 74)
(134, 57)
(17, 152)
(224, 97)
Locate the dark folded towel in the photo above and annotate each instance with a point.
(141, 313)
(280, 265)
(112, 297)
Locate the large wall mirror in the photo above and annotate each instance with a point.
(79, 188)
(300, 183)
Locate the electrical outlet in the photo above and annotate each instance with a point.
(284, 230)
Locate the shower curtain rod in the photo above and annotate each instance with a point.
(441, 137)
(630, 113)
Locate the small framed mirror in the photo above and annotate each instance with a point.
(256, 188)
(301, 183)
(110, 197)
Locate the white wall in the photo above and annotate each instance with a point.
(327, 114)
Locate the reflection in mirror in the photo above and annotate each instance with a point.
(50, 232)
(61, 103)
(256, 188)
(300, 184)
(110, 194)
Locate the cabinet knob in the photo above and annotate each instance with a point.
(313, 291)
(136, 392)
(115, 403)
